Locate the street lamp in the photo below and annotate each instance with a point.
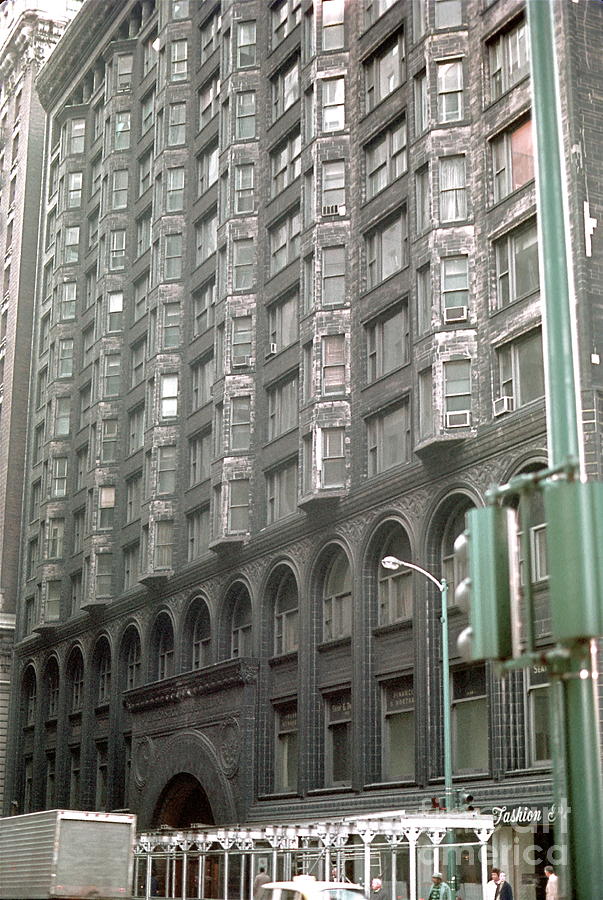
(393, 563)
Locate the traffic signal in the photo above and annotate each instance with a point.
(488, 552)
(464, 800)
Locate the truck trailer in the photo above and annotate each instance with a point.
(63, 853)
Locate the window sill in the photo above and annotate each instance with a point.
(283, 658)
(391, 627)
(334, 642)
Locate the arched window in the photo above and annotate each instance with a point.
(241, 625)
(76, 682)
(286, 614)
(29, 696)
(51, 680)
(337, 598)
(394, 592)
(131, 659)
(165, 654)
(201, 638)
(103, 672)
(450, 567)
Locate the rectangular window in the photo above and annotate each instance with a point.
(197, 526)
(171, 325)
(169, 396)
(285, 89)
(106, 506)
(281, 492)
(283, 407)
(244, 185)
(117, 249)
(333, 104)
(209, 37)
(333, 275)
(333, 364)
(65, 358)
(203, 307)
(179, 60)
(333, 187)
(245, 115)
(56, 538)
(246, 45)
(72, 244)
(338, 750)
(283, 323)
(285, 774)
(538, 716)
(141, 289)
(285, 163)
(115, 309)
(450, 91)
(58, 487)
(509, 59)
(285, 16)
(164, 540)
(238, 506)
(104, 574)
(512, 159)
(176, 133)
(453, 189)
(388, 439)
(147, 111)
(136, 423)
(333, 33)
(131, 565)
(74, 190)
(386, 158)
(398, 744)
(241, 340)
(77, 135)
(133, 497)
(62, 413)
(521, 370)
(455, 288)
(109, 437)
(244, 251)
(207, 169)
(386, 249)
(121, 131)
(175, 189)
(387, 343)
(209, 98)
(145, 166)
(385, 71)
(470, 720)
(332, 461)
(240, 422)
(173, 256)
(202, 377)
(457, 392)
(166, 469)
(516, 256)
(421, 103)
(123, 72)
(119, 189)
(448, 13)
(206, 236)
(284, 241)
(200, 455)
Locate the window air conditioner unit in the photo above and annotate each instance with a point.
(455, 314)
(503, 405)
(271, 350)
(458, 419)
(240, 362)
(331, 209)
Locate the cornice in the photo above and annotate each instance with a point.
(80, 45)
(29, 43)
(219, 677)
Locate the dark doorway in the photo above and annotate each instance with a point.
(182, 803)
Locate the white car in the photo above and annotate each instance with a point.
(306, 887)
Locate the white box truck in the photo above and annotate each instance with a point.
(63, 853)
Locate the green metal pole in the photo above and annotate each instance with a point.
(451, 855)
(553, 214)
(579, 766)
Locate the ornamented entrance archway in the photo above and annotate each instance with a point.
(182, 803)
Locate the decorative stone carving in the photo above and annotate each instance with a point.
(144, 758)
(229, 750)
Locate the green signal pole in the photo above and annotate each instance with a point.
(392, 562)
(577, 749)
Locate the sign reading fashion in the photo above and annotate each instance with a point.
(524, 815)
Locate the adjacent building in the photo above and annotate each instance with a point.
(28, 32)
(288, 322)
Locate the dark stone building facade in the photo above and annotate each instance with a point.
(288, 322)
(27, 35)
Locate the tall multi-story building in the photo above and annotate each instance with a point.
(28, 32)
(288, 322)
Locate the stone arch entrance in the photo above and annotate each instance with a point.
(182, 802)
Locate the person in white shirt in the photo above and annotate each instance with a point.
(552, 883)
